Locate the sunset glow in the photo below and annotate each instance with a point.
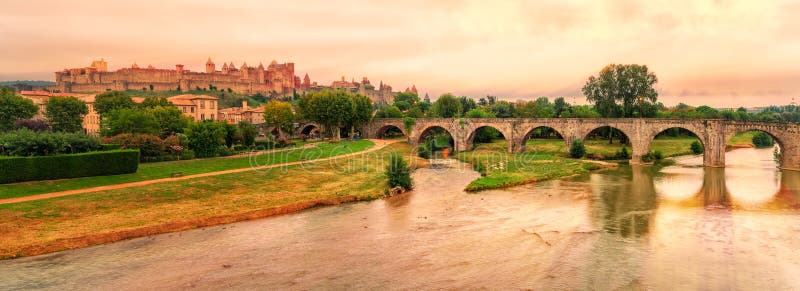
(720, 53)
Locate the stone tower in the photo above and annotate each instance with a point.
(210, 66)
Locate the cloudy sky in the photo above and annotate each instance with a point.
(722, 53)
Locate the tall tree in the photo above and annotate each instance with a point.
(105, 102)
(66, 113)
(170, 120)
(410, 97)
(559, 106)
(127, 120)
(13, 107)
(362, 112)
(620, 90)
(152, 102)
(446, 106)
(206, 137)
(503, 109)
(279, 114)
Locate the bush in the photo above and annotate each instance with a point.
(622, 154)
(19, 169)
(224, 151)
(206, 137)
(152, 148)
(577, 150)
(423, 151)
(648, 158)
(35, 124)
(696, 148)
(398, 172)
(479, 167)
(264, 144)
(25, 142)
(762, 140)
(110, 146)
(187, 155)
(658, 155)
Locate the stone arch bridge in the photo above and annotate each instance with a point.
(713, 133)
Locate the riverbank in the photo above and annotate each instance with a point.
(44, 226)
(161, 170)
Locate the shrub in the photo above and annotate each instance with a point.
(152, 148)
(423, 151)
(25, 142)
(398, 172)
(761, 140)
(187, 155)
(479, 167)
(206, 137)
(18, 169)
(224, 151)
(110, 146)
(696, 148)
(658, 155)
(648, 158)
(622, 154)
(35, 124)
(577, 150)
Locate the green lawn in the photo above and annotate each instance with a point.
(149, 171)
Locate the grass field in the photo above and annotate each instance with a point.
(48, 225)
(149, 171)
(601, 150)
(504, 169)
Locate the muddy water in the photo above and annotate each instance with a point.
(674, 227)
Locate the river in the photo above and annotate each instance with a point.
(661, 227)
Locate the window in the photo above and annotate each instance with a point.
(202, 116)
(202, 104)
(184, 109)
(212, 106)
(192, 109)
(212, 116)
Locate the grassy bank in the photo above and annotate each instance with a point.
(49, 225)
(602, 150)
(149, 171)
(503, 169)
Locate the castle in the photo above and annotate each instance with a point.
(274, 80)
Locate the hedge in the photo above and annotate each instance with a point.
(19, 169)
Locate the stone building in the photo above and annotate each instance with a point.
(198, 107)
(91, 121)
(234, 115)
(273, 79)
(382, 94)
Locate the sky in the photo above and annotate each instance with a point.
(720, 53)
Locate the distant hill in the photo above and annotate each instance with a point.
(34, 83)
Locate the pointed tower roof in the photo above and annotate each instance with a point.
(224, 66)
(244, 65)
(134, 66)
(150, 67)
(273, 63)
(306, 77)
(260, 66)
(414, 88)
(209, 62)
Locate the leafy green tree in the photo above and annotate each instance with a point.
(279, 114)
(483, 134)
(696, 147)
(446, 106)
(580, 111)
(206, 137)
(503, 109)
(170, 120)
(424, 106)
(13, 107)
(619, 90)
(559, 106)
(409, 97)
(402, 105)
(248, 132)
(390, 111)
(761, 139)
(467, 103)
(231, 133)
(105, 102)
(66, 113)
(128, 120)
(152, 102)
(415, 112)
(330, 108)
(361, 113)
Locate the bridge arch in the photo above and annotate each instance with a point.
(656, 130)
(431, 130)
(381, 132)
(635, 150)
(779, 140)
(522, 147)
(309, 128)
(474, 131)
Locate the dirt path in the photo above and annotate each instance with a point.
(379, 144)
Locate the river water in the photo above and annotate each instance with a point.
(655, 227)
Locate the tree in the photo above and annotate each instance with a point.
(761, 140)
(248, 132)
(483, 134)
(361, 113)
(503, 109)
(402, 105)
(577, 150)
(105, 102)
(231, 133)
(559, 106)
(619, 90)
(13, 107)
(66, 113)
(467, 104)
(390, 111)
(696, 147)
(279, 114)
(330, 108)
(205, 137)
(446, 106)
(169, 120)
(128, 120)
(152, 102)
(410, 97)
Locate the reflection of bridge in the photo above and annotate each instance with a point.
(713, 133)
